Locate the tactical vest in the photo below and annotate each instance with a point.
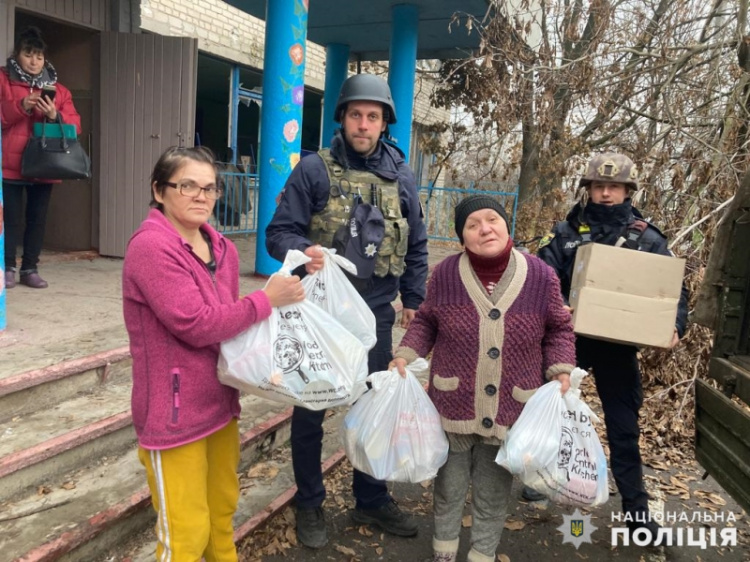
(348, 188)
(630, 239)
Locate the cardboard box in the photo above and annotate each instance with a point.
(623, 295)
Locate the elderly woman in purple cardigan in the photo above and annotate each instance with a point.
(495, 323)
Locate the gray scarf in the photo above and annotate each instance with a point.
(47, 77)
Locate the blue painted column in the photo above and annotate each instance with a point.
(337, 69)
(234, 109)
(402, 69)
(281, 112)
(3, 290)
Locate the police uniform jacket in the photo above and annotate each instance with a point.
(607, 224)
(306, 192)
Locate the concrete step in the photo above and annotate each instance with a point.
(78, 316)
(84, 512)
(61, 438)
(266, 490)
(38, 389)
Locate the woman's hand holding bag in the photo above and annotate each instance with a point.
(331, 290)
(553, 446)
(394, 431)
(300, 355)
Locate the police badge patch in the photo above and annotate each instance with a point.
(577, 528)
(546, 240)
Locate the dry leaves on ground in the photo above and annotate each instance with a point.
(263, 470)
(514, 525)
(279, 535)
(345, 550)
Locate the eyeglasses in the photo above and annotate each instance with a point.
(190, 189)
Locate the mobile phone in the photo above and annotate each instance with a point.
(49, 92)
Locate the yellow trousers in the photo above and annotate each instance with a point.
(194, 490)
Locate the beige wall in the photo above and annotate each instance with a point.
(224, 31)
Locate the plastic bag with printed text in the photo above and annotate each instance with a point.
(333, 292)
(299, 355)
(394, 432)
(553, 447)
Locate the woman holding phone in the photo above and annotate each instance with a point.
(29, 93)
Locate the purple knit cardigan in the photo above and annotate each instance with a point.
(490, 352)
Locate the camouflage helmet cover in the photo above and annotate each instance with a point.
(365, 87)
(611, 167)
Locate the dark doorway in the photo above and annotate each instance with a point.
(212, 112)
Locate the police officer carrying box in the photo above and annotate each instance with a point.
(605, 215)
(361, 198)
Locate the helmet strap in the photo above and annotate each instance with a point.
(584, 197)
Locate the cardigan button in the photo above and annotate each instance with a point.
(494, 353)
(487, 422)
(495, 313)
(490, 389)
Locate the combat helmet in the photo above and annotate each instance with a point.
(612, 167)
(366, 87)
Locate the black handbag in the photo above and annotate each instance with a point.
(54, 158)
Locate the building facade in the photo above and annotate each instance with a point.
(148, 74)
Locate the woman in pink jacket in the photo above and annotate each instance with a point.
(181, 299)
(29, 93)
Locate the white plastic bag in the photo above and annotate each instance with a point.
(553, 447)
(300, 355)
(394, 432)
(331, 290)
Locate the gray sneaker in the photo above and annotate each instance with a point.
(311, 527)
(387, 517)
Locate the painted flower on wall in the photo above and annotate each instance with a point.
(304, 3)
(297, 54)
(298, 95)
(291, 128)
(294, 159)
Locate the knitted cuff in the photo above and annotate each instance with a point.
(476, 556)
(406, 353)
(558, 369)
(444, 547)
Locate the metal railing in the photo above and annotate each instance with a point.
(236, 212)
(439, 203)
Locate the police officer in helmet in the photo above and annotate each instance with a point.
(365, 177)
(605, 215)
